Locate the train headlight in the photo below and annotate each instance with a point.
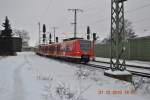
(77, 52)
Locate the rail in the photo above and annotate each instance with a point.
(143, 74)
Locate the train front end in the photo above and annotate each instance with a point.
(86, 49)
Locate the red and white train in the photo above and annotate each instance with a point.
(72, 49)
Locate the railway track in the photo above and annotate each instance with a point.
(137, 73)
(106, 66)
(135, 66)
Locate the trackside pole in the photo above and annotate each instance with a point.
(117, 44)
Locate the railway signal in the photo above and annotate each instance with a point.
(56, 39)
(94, 37)
(44, 38)
(44, 28)
(44, 35)
(50, 38)
(88, 33)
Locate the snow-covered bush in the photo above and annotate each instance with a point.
(64, 92)
(44, 77)
(141, 85)
(60, 91)
(82, 73)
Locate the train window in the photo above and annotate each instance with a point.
(50, 48)
(67, 48)
(62, 48)
(85, 45)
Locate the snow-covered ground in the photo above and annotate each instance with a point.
(1, 57)
(31, 77)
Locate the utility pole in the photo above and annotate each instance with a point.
(75, 20)
(39, 32)
(54, 30)
(117, 35)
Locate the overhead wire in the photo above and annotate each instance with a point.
(129, 11)
(138, 8)
(46, 9)
(104, 19)
(142, 20)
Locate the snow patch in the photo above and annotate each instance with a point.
(118, 72)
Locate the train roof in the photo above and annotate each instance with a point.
(72, 39)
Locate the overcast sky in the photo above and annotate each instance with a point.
(25, 14)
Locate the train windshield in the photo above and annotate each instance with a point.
(85, 45)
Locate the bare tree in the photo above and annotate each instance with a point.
(23, 34)
(129, 30)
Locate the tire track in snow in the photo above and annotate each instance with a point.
(18, 84)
